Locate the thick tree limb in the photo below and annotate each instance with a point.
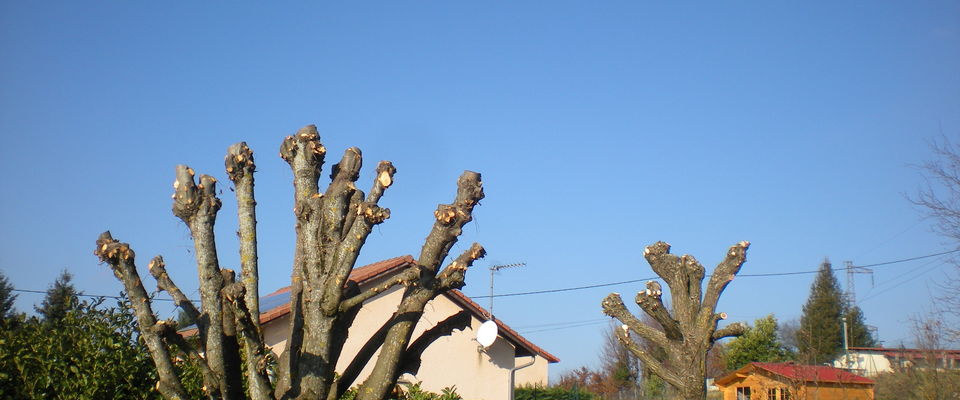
(450, 220)
(452, 276)
(197, 206)
(158, 269)
(653, 306)
(211, 385)
(732, 330)
(368, 215)
(121, 260)
(240, 167)
(722, 276)
(649, 361)
(405, 277)
(305, 155)
(256, 353)
(412, 357)
(613, 306)
(231, 344)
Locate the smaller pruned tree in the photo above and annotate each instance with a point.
(689, 329)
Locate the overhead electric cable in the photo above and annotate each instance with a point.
(738, 275)
(602, 284)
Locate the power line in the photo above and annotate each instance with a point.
(739, 275)
(107, 296)
(568, 289)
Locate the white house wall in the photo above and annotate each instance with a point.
(449, 361)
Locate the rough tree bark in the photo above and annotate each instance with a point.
(689, 327)
(331, 229)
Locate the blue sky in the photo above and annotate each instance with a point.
(599, 129)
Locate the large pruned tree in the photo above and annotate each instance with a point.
(689, 328)
(332, 226)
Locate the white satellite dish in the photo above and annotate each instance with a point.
(487, 333)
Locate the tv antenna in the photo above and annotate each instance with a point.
(494, 269)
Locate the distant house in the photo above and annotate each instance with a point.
(870, 361)
(784, 381)
(454, 360)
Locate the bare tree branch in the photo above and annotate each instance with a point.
(256, 354)
(305, 155)
(613, 306)
(653, 306)
(158, 269)
(649, 361)
(121, 260)
(240, 167)
(197, 206)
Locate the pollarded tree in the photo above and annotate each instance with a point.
(689, 329)
(332, 226)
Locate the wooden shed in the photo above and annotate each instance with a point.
(786, 381)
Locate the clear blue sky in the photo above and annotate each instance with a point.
(599, 129)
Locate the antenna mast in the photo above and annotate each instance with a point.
(496, 268)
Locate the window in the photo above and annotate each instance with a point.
(777, 394)
(743, 393)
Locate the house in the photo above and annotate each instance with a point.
(455, 360)
(783, 381)
(871, 361)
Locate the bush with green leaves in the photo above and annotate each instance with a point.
(92, 352)
(538, 392)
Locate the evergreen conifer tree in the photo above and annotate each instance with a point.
(7, 297)
(858, 333)
(61, 297)
(820, 337)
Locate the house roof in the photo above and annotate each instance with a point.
(277, 304)
(909, 353)
(798, 372)
(505, 331)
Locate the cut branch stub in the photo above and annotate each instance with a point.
(239, 161)
(307, 168)
(450, 220)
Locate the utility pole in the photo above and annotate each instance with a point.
(846, 347)
(494, 269)
(852, 270)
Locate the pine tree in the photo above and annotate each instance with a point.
(7, 297)
(820, 338)
(61, 297)
(858, 333)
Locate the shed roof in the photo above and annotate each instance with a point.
(798, 372)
